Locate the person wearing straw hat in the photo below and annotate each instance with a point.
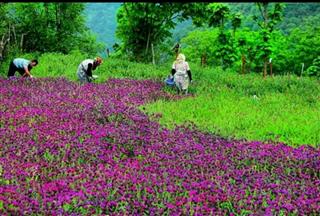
(181, 73)
(85, 69)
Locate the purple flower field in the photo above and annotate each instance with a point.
(67, 149)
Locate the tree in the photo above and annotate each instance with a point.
(304, 44)
(314, 69)
(199, 46)
(48, 27)
(4, 29)
(142, 24)
(268, 20)
(236, 19)
(216, 15)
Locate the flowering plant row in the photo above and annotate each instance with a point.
(82, 150)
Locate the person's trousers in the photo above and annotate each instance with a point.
(13, 69)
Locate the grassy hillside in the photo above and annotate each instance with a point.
(282, 108)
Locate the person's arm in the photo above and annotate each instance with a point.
(173, 69)
(89, 71)
(189, 75)
(26, 72)
(189, 71)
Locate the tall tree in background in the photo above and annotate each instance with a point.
(57, 26)
(267, 21)
(216, 15)
(45, 27)
(142, 24)
(6, 29)
(236, 20)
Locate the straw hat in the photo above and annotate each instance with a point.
(98, 60)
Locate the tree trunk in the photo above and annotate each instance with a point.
(148, 41)
(21, 41)
(243, 64)
(265, 68)
(3, 44)
(265, 26)
(153, 60)
(46, 13)
(9, 36)
(14, 35)
(58, 17)
(203, 59)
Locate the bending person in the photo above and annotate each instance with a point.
(85, 69)
(23, 66)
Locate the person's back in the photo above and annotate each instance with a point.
(21, 63)
(85, 69)
(181, 67)
(23, 66)
(181, 72)
(84, 64)
(82, 70)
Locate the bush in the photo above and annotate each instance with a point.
(314, 69)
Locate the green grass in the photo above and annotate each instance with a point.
(271, 117)
(56, 64)
(281, 108)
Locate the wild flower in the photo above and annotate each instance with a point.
(67, 149)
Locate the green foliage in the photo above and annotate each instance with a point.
(201, 43)
(226, 49)
(236, 20)
(283, 109)
(314, 69)
(293, 14)
(247, 45)
(303, 44)
(57, 64)
(217, 13)
(207, 43)
(87, 44)
(46, 27)
(143, 25)
(267, 21)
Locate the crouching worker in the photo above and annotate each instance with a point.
(85, 69)
(23, 66)
(181, 73)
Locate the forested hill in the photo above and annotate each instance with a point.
(294, 14)
(101, 18)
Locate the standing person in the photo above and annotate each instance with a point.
(181, 73)
(23, 66)
(85, 69)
